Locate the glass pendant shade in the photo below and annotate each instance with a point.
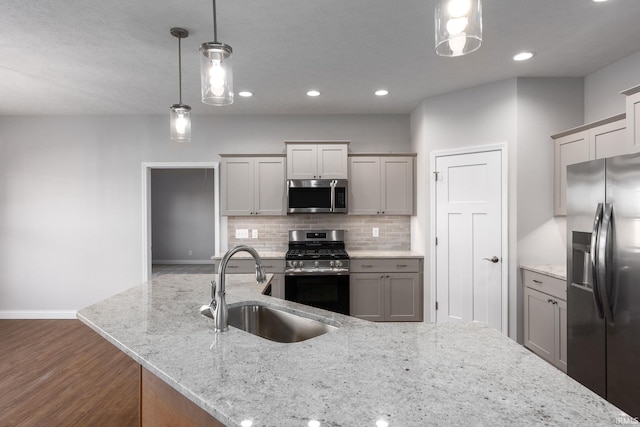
(180, 123)
(215, 73)
(458, 27)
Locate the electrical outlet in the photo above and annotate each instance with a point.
(254, 234)
(242, 233)
(376, 232)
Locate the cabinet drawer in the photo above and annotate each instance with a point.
(389, 265)
(547, 284)
(247, 266)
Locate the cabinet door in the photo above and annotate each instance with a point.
(364, 185)
(302, 161)
(366, 296)
(332, 161)
(569, 149)
(277, 286)
(609, 140)
(397, 185)
(269, 186)
(402, 297)
(561, 333)
(237, 186)
(633, 121)
(539, 321)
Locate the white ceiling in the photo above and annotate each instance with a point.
(117, 56)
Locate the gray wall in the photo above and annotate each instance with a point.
(71, 193)
(182, 215)
(522, 113)
(602, 88)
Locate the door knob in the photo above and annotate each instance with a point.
(494, 259)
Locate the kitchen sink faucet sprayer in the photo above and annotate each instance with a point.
(218, 304)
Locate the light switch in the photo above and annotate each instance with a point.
(242, 233)
(376, 232)
(254, 234)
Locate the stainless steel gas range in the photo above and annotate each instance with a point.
(317, 269)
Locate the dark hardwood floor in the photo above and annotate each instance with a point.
(62, 373)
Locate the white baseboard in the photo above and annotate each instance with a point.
(35, 314)
(182, 261)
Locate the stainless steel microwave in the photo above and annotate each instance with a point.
(317, 196)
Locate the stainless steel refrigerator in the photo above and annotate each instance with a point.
(603, 278)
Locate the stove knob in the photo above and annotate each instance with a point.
(300, 264)
(332, 264)
(338, 264)
(316, 264)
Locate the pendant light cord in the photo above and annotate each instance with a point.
(180, 68)
(215, 29)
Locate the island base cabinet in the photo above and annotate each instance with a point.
(162, 406)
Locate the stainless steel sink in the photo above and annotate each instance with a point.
(274, 324)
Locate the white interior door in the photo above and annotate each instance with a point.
(469, 252)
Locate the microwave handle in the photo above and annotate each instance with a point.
(333, 195)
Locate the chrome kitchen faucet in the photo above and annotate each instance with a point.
(218, 304)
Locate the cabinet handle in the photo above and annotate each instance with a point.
(232, 266)
(550, 300)
(401, 265)
(267, 266)
(383, 212)
(537, 281)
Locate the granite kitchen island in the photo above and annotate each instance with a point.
(405, 374)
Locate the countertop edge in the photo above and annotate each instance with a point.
(557, 271)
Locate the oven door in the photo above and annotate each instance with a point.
(329, 292)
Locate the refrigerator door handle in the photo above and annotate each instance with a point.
(593, 256)
(604, 261)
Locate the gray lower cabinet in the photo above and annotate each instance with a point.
(545, 317)
(273, 266)
(386, 290)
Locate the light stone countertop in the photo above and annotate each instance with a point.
(383, 254)
(408, 374)
(263, 255)
(386, 254)
(553, 270)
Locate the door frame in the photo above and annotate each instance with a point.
(503, 148)
(146, 205)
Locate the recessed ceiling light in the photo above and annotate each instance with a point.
(599, 1)
(313, 93)
(382, 92)
(245, 94)
(523, 56)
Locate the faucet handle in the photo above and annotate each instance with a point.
(261, 276)
(213, 289)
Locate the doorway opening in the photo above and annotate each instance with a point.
(179, 216)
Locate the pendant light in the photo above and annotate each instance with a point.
(458, 27)
(215, 70)
(180, 113)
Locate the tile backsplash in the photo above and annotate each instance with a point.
(394, 231)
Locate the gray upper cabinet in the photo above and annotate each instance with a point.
(602, 139)
(381, 185)
(312, 160)
(633, 117)
(253, 185)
